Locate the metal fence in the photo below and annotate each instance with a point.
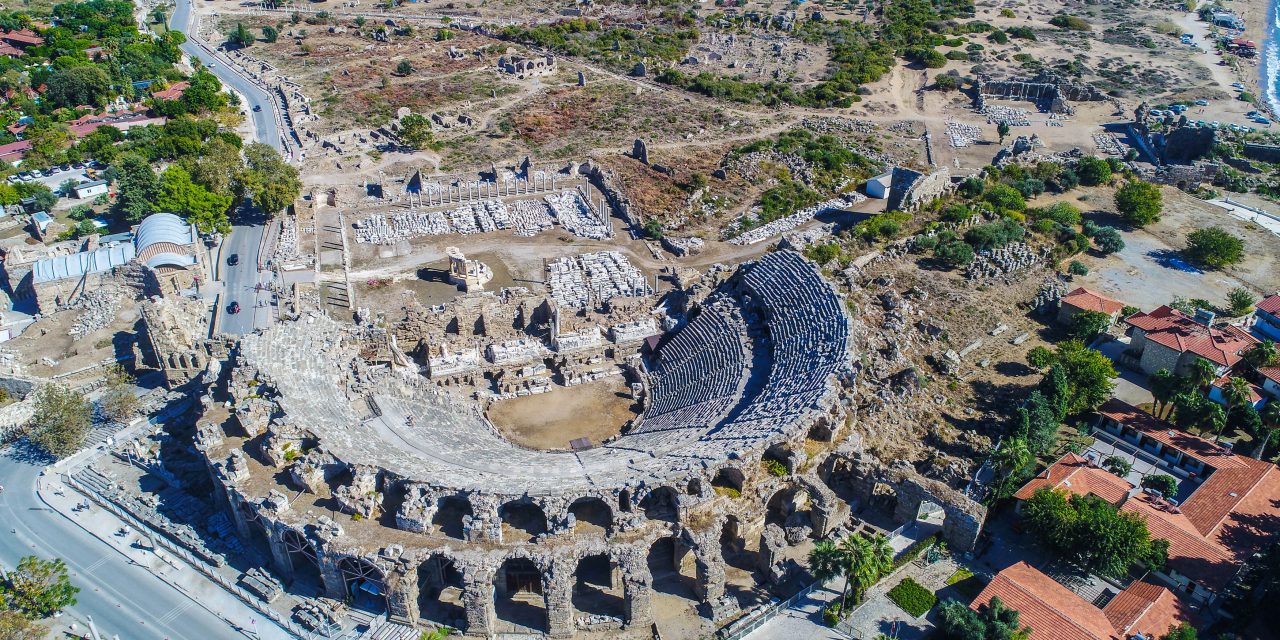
(766, 614)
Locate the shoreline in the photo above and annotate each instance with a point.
(1259, 26)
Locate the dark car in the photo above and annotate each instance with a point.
(257, 108)
(234, 307)
(233, 259)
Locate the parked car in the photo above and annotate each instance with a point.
(1202, 103)
(233, 259)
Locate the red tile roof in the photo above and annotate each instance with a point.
(174, 91)
(1174, 329)
(1255, 392)
(14, 151)
(9, 50)
(1077, 475)
(1190, 553)
(1165, 433)
(1145, 608)
(1270, 373)
(1085, 299)
(1271, 305)
(1052, 611)
(22, 38)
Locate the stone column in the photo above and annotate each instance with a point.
(477, 599)
(402, 597)
(557, 592)
(334, 586)
(279, 554)
(710, 565)
(637, 587)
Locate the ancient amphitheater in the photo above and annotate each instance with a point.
(376, 485)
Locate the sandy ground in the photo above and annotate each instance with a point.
(548, 421)
(1150, 270)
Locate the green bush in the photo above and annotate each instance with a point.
(775, 467)
(1070, 23)
(912, 552)
(1214, 247)
(994, 235)
(912, 597)
(1077, 268)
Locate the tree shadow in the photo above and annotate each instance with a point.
(25, 451)
(1171, 259)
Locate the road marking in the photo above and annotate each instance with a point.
(174, 613)
(91, 568)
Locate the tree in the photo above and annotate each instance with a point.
(1240, 301)
(1270, 419)
(415, 131)
(1037, 423)
(955, 253)
(270, 181)
(1093, 171)
(992, 621)
(218, 168)
(136, 189)
(1088, 375)
(61, 421)
(861, 560)
(76, 86)
(1164, 387)
(48, 145)
(1237, 393)
(1214, 248)
(241, 37)
(181, 196)
(1091, 532)
(1005, 197)
(1014, 462)
(39, 588)
(1262, 354)
(270, 33)
(1183, 631)
(1139, 203)
(1167, 485)
(1040, 357)
(1118, 465)
(1202, 374)
(119, 402)
(1087, 324)
(15, 626)
(1108, 240)
(1002, 130)
(404, 68)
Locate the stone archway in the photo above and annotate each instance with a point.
(522, 521)
(440, 591)
(450, 517)
(519, 604)
(597, 587)
(733, 545)
(364, 583)
(663, 503)
(791, 508)
(673, 567)
(591, 514)
(729, 481)
(305, 578)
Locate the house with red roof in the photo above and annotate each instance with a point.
(1230, 506)
(14, 152)
(21, 38)
(1169, 339)
(1083, 299)
(173, 92)
(1266, 318)
(1054, 612)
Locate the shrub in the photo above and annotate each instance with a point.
(1167, 485)
(999, 37)
(775, 467)
(1040, 357)
(1062, 213)
(1093, 171)
(1024, 33)
(1108, 240)
(948, 82)
(1077, 268)
(1240, 301)
(955, 253)
(1003, 196)
(1070, 23)
(1213, 247)
(912, 597)
(994, 235)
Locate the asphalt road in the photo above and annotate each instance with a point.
(239, 280)
(122, 598)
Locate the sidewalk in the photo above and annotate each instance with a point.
(102, 524)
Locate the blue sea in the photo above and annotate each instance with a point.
(1271, 62)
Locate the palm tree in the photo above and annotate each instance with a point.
(1202, 374)
(1270, 424)
(1213, 419)
(1164, 386)
(1012, 458)
(1237, 394)
(869, 559)
(827, 561)
(1263, 354)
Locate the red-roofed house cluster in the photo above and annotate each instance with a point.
(14, 44)
(1230, 512)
